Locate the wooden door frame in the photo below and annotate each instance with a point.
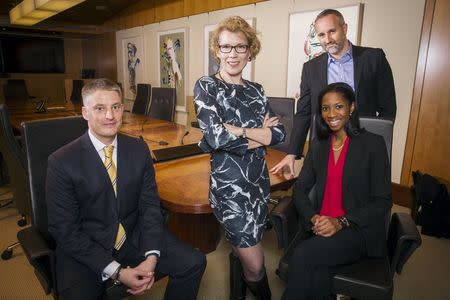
(405, 178)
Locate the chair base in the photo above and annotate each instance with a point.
(22, 221)
(8, 252)
(6, 203)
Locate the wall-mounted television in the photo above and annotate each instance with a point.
(28, 54)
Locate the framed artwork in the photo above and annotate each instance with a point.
(211, 65)
(172, 64)
(304, 44)
(133, 65)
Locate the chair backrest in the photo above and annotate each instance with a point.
(77, 86)
(142, 100)
(163, 103)
(383, 127)
(403, 240)
(14, 158)
(42, 138)
(15, 90)
(284, 110)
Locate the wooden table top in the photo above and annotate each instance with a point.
(155, 131)
(20, 112)
(183, 184)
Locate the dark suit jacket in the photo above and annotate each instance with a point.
(83, 211)
(374, 86)
(366, 186)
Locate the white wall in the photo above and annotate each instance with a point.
(394, 26)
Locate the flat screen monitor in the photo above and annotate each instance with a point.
(21, 54)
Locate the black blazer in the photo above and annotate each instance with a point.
(366, 186)
(83, 211)
(374, 86)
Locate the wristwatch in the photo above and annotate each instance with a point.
(244, 132)
(116, 276)
(343, 222)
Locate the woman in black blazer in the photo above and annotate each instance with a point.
(350, 171)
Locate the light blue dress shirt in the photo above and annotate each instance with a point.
(341, 70)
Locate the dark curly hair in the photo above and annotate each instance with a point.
(345, 91)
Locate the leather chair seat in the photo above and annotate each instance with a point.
(354, 280)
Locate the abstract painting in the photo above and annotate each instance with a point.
(133, 53)
(172, 54)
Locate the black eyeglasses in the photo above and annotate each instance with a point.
(237, 48)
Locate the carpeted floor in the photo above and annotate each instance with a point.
(425, 276)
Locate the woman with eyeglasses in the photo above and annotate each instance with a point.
(237, 123)
(346, 219)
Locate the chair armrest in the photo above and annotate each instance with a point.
(40, 256)
(285, 221)
(404, 237)
(33, 244)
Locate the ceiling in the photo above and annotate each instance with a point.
(88, 13)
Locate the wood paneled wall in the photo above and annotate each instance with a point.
(151, 11)
(99, 53)
(428, 141)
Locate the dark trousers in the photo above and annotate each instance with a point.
(183, 264)
(313, 260)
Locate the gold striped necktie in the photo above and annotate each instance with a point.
(112, 172)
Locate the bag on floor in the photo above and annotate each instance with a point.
(431, 205)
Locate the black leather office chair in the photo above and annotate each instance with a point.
(15, 160)
(369, 278)
(15, 90)
(75, 96)
(284, 110)
(41, 138)
(142, 100)
(163, 103)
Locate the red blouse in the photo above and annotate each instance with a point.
(332, 205)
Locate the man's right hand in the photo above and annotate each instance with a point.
(285, 166)
(137, 280)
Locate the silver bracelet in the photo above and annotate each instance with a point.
(116, 276)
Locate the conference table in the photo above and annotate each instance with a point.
(182, 170)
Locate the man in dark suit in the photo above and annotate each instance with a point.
(365, 69)
(104, 210)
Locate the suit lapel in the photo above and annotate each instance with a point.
(322, 76)
(122, 162)
(350, 163)
(357, 68)
(94, 163)
(324, 150)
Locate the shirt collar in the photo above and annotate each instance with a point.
(345, 58)
(98, 144)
